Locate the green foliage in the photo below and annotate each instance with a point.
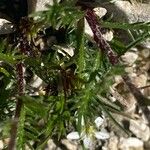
(21, 133)
(60, 15)
(76, 86)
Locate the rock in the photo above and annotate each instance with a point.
(145, 53)
(1, 144)
(50, 145)
(129, 58)
(88, 30)
(140, 80)
(108, 35)
(6, 141)
(100, 11)
(36, 82)
(5, 27)
(140, 129)
(130, 144)
(38, 5)
(113, 143)
(66, 143)
(125, 12)
(118, 79)
(70, 145)
(129, 69)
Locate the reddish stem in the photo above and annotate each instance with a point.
(98, 37)
(20, 78)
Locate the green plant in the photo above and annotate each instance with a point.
(75, 86)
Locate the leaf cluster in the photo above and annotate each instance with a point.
(73, 86)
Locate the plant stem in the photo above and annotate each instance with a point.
(24, 48)
(14, 126)
(98, 37)
(144, 87)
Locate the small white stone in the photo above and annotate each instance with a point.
(129, 57)
(140, 129)
(128, 12)
(140, 80)
(129, 69)
(37, 82)
(145, 53)
(100, 11)
(5, 26)
(99, 121)
(73, 136)
(113, 143)
(102, 135)
(130, 144)
(118, 79)
(50, 145)
(88, 30)
(1, 144)
(38, 5)
(108, 36)
(69, 145)
(132, 75)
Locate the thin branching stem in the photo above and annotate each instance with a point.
(98, 37)
(23, 48)
(20, 78)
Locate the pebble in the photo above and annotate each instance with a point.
(100, 11)
(5, 26)
(70, 145)
(131, 144)
(38, 5)
(113, 143)
(129, 69)
(140, 129)
(108, 36)
(129, 58)
(126, 12)
(50, 145)
(36, 82)
(1, 144)
(140, 80)
(146, 68)
(145, 53)
(88, 30)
